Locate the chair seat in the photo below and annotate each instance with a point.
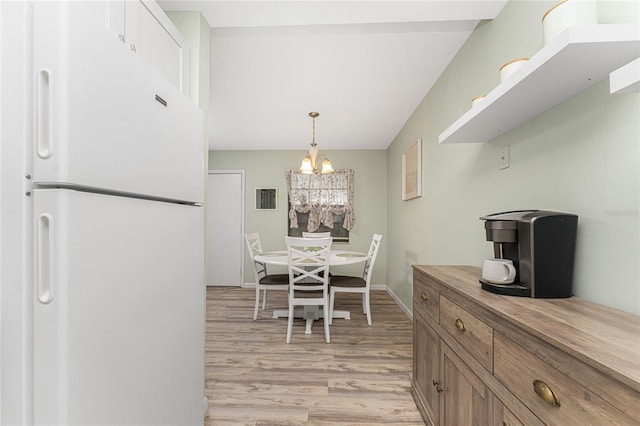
(275, 279)
(347, 281)
(308, 294)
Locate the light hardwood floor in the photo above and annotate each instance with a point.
(254, 378)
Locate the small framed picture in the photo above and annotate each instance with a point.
(266, 198)
(412, 171)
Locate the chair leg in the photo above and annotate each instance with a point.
(255, 310)
(264, 299)
(327, 321)
(368, 307)
(331, 301)
(290, 323)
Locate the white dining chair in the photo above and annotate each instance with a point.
(308, 261)
(316, 234)
(351, 284)
(264, 281)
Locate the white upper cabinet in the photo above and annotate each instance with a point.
(99, 106)
(144, 29)
(157, 39)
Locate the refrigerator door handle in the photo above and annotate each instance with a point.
(45, 262)
(44, 131)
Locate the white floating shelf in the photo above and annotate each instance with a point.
(575, 60)
(626, 79)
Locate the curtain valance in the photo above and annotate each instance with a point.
(321, 196)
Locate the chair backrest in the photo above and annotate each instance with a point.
(316, 234)
(308, 262)
(255, 248)
(253, 244)
(373, 253)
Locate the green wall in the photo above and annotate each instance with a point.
(265, 169)
(580, 157)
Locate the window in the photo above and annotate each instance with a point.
(321, 203)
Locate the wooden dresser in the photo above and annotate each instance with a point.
(481, 358)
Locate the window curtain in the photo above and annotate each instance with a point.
(321, 195)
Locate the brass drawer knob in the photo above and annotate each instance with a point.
(460, 325)
(545, 392)
(424, 296)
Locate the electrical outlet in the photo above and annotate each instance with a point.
(503, 159)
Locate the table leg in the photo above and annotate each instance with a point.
(307, 329)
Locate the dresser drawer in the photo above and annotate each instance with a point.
(426, 297)
(468, 330)
(569, 402)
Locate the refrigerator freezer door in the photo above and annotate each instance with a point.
(118, 310)
(104, 117)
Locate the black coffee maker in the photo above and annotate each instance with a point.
(541, 245)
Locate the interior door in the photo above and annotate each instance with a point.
(225, 228)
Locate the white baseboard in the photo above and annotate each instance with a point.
(399, 302)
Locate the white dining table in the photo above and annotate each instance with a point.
(312, 313)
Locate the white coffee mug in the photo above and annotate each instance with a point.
(498, 271)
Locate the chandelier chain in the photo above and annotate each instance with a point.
(313, 139)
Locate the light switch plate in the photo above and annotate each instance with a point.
(503, 159)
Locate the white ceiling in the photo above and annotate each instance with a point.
(363, 65)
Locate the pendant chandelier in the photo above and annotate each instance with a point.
(309, 162)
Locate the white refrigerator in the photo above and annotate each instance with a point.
(115, 165)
